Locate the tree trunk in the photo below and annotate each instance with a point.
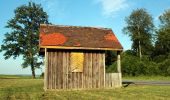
(32, 65)
(140, 50)
(33, 72)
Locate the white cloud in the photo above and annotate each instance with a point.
(54, 9)
(111, 7)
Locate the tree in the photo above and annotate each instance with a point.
(111, 57)
(140, 28)
(162, 45)
(23, 38)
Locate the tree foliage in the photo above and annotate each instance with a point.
(140, 28)
(162, 45)
(22, 40)
(110, 57)
(132, 65)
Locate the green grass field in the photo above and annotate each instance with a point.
(16, 87)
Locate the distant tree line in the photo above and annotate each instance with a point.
(150, 51)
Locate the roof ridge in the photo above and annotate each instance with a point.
(98, 27)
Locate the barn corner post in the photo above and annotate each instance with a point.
(45, 73)
(119, 68)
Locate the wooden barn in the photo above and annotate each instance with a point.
(75, 57)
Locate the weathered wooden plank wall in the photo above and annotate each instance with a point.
(60, 76)
(113, 80)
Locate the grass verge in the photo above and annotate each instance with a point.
(32, 89)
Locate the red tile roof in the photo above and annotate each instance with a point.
(74, 36)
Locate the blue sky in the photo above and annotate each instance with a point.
(102, 13)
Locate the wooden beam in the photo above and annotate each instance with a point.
(118, 62)
(104, 68)
(119, 68)
(84, 48)
(45, 73)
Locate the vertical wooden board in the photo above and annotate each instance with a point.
(96, 74)
(69, 74)
(55, 71)
(49, 71)
(112, 82)
(52, 65)
(59, 69)
(97, 70)
(106, 80)
(75, 80)
(100, 72)
(103, 56)
(81, 84)
(46, 70)
(64, 69)
(68, 70)
(84, 66)
(78, 80)
(72, 80)
(90, 69)
(94, 70)
(61, 73)
(87, 78)
(85, 70)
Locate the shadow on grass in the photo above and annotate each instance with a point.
(127, 83)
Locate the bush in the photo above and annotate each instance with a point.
(132, 65)
(164, 67)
